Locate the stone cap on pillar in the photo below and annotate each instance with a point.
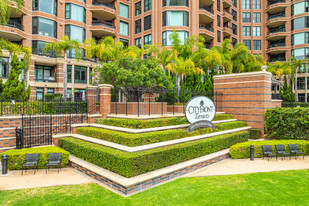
(91, 86)
(105, 86)
(245, 74)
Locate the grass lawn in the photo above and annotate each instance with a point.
(274, 188)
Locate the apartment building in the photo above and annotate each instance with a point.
(276, 29)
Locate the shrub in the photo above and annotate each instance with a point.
(255, 133)
(287, 123)
(16, 157)
(141, 124)
(132, 164)
(152, 137)
(242, 150)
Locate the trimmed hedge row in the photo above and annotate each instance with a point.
(133, 164)
(287, 123)
(142, 124)
(152, 137)
(242, 150)
(16, 157)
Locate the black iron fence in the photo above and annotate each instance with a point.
(154, 101)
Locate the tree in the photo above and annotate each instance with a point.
(61, 48)
(296, 67)
(5, 10)
(286, 92)
(13, 88)
(12, 48)
(225, 52)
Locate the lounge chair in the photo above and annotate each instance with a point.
(295, 150)
(280, 150)
(267, 151)
(54, 159)
(30, 161)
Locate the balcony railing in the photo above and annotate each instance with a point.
(280, 59)
(101, 3)
(15, 24)
(207, 9)
(275, 2)
(276, 16)
(204, 26)
(103, 23)
(276, 96)
(227, 11)
(40, 52)
(276, 45)
(276, 30)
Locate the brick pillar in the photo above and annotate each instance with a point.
(105, 99)
(92, 99)
(246, 95)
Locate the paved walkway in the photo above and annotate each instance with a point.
(67, 176)
(245, 166)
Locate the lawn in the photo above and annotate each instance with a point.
(274, 188)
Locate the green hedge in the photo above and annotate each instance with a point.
(242, 150)
(16, 157)
(152, 137)
(295, 104)
(287, 123)
(132, 164)
(142, 124)
(255, 133)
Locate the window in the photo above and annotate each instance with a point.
(256, 31)
(147, 5)
(39, 93)
(234, 28)
(75, 12)
(256, 17)
(218, 21)
(69, 73)
(256, 44)
(300, 23)
(138, 8)
(301, 83)
(246, 17)
(125, 42)
(256, 4)
(138, 42)
(235, 3)
(124, 10)
(46, 6)
(234, 14)
(44, 73)
(50, 91)
(247, 44)
(80, 74)
(300, 38)
(69, 93)
(166, 40)
(138, 26)
(147, 39)
(234, 41)
(124, 28)
(44, 27)
(246, 31)
(218, 36)
(4, 67)
(38, 48)
(175, 3)
(175, 18)
(147, 22)
(300, 8)
(245, 4)
(75, 33)
(300, 53)
(218, 5)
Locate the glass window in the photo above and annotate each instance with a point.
(245, 4)
(125, 42)
(256, 17)
(166, 40)
(50, 91)
(147, 39)
(175, 3)
(246, 17)
(75, 12)
(256, 31)
(38, 48)
(80, 74)
(46, 6)
(138, 8)
(234, 14)
(39, 93)
(138, 26)
(300, 53)
(75, 33)
(147, 22)
(218, 21)
(298, 8)
(69, 93)
(147, 5)
(124, 10)
(234, 28)
(69, 73)
(246, 31)
(301, 83)
(138, 42)
(299, 23)
(44, 73)
(218, 36)
(247, 43)
(175, 18)
(256, 44)
(256, 4)
(4, 67)
(124, 28)
(44, 27)
(235, 3)
(218, 5)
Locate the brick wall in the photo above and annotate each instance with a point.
(132, 108)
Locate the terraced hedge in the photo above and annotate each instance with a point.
(152, 137)
(133, 164)
(142, 124)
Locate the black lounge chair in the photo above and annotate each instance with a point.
(295, 150)
(267, 151)
(280, 150)
(30, 161)
(54, 159)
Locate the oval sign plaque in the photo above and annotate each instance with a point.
(200, 108)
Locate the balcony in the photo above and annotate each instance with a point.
(276, 20)
(276, 45)
(103, 10)
(206, 31)
(275, 2)
(208, 9)
(206, 15)
(276, 48)
(15, 24)
(276, 6)
(276, 33)
(40, 52)
(227, 3)
(13, 31)
(274, 59)
(101, 28)
(227, 30)
(227, 15)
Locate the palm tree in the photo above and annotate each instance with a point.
(5, 10)
(296, 67)
(61, 48)
(225, 52)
